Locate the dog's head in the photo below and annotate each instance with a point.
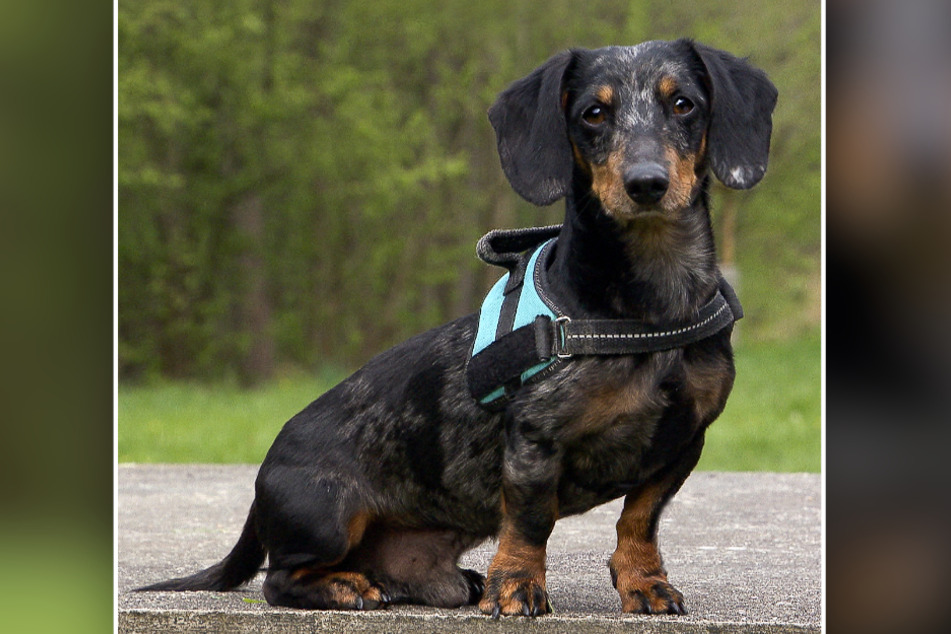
(641, 124)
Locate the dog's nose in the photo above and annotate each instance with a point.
(646, 183)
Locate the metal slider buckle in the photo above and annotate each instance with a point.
(561, 337)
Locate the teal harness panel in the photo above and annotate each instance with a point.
(530, 305)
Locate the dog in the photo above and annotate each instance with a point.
(369, 496)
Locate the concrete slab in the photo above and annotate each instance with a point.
(743, 548)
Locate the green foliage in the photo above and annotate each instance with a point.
(771, 421)
(303, 182)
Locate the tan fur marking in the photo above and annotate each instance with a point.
(605, 94)
(345, 587)
(708, 385)
(509, 603)
(341, 588)
(667, 87)
(579, 159)
(636, 562)
(520, 568)
(606, 404)
(356, 528)
(514, 553)
(683, 181)
(655, 237)
(635, 548)
(607, 183)
(358, 581)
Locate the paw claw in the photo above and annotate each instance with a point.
(658, 597)
(476, 585)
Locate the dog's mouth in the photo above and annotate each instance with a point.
(633, 214)
(624, 208)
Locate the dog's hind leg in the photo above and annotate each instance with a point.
(310, 521)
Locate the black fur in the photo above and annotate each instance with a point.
(536, 161)
(370, 494)
(741, 123)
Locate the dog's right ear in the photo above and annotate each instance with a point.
(741, 122)
(532, 135)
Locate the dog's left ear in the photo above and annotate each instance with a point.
(532, 135)
(741, 119)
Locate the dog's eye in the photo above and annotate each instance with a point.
(683, 106)
(594, 116)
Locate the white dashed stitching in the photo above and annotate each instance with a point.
(650, 335)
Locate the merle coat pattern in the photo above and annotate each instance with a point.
(371, 493)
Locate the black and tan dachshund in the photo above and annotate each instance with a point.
(370, 495)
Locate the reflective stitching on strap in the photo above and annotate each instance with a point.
(650, 335)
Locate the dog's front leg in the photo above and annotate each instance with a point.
(636, 568)
(516, 578)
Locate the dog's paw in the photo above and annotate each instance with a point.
(353, 591)
(325, 591)
(650, 595)
(525, 596)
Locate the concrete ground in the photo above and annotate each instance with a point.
(745, 550)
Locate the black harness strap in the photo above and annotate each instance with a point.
(626, 336)
(502, 363)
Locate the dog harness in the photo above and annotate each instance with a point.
(524, 337)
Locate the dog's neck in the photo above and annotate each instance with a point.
(651, 267)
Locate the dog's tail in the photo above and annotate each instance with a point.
(239, 566)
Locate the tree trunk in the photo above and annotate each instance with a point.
(256, 362)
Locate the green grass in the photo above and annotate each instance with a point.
(771, 423)
(194, 422)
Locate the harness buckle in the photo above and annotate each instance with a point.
(561, 337)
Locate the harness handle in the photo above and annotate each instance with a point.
(504, 247)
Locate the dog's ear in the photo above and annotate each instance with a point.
(741, 119)
(532, 135)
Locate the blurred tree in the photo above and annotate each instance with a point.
(303, 182)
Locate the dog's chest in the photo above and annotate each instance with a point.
(631, 418)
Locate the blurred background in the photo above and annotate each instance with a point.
(888, 364)
(302, 184)
(56, 327)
